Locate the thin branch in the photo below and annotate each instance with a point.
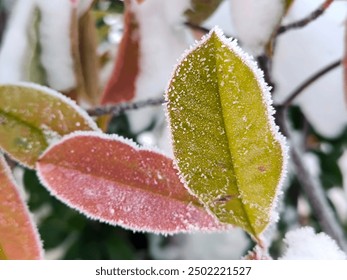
(310, 18)
(118, 109)
(313, 190)
(310, 81)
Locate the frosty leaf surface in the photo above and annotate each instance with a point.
(19, 238)
(110, 179)
(31, 116)
(227, 148)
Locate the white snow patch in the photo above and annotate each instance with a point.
(323, 102)
(15, 45)
(304, 244)
(221, 17)
(55, 41)
(162, 40)
(312, 164)
(255, 21)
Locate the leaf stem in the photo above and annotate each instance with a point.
(118, 109)
(308, 19)
(310, 81)
(313, 189)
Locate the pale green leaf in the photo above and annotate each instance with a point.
(32, 116)
(227, 148)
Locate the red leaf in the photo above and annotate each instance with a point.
(111, 179)
(19, 239)
(121, 86)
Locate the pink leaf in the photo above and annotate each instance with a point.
(111, 179)
(19, 239)
(121, 86)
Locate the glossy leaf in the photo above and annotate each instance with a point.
(201, 10)
(228, 150)
(112, 180)
(19, 238)
(31, 116)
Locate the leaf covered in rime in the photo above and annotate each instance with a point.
(31, 116)
(110, 179)
(19, 238)
(227, 148)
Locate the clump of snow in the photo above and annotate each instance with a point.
(304, 244)
(221, 17)
(162, 40)
(322, 102)
(55, 41)
(15, 45)
(255, 21)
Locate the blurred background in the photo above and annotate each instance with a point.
(106, 51)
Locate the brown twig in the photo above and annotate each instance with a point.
(313, 189)
(309, 81)
(197, 27)
(303, 22)
(118, 109)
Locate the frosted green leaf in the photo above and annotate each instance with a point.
(32, 116)
(227, 148)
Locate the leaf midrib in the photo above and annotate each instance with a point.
(215, 40)
(137, 186)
